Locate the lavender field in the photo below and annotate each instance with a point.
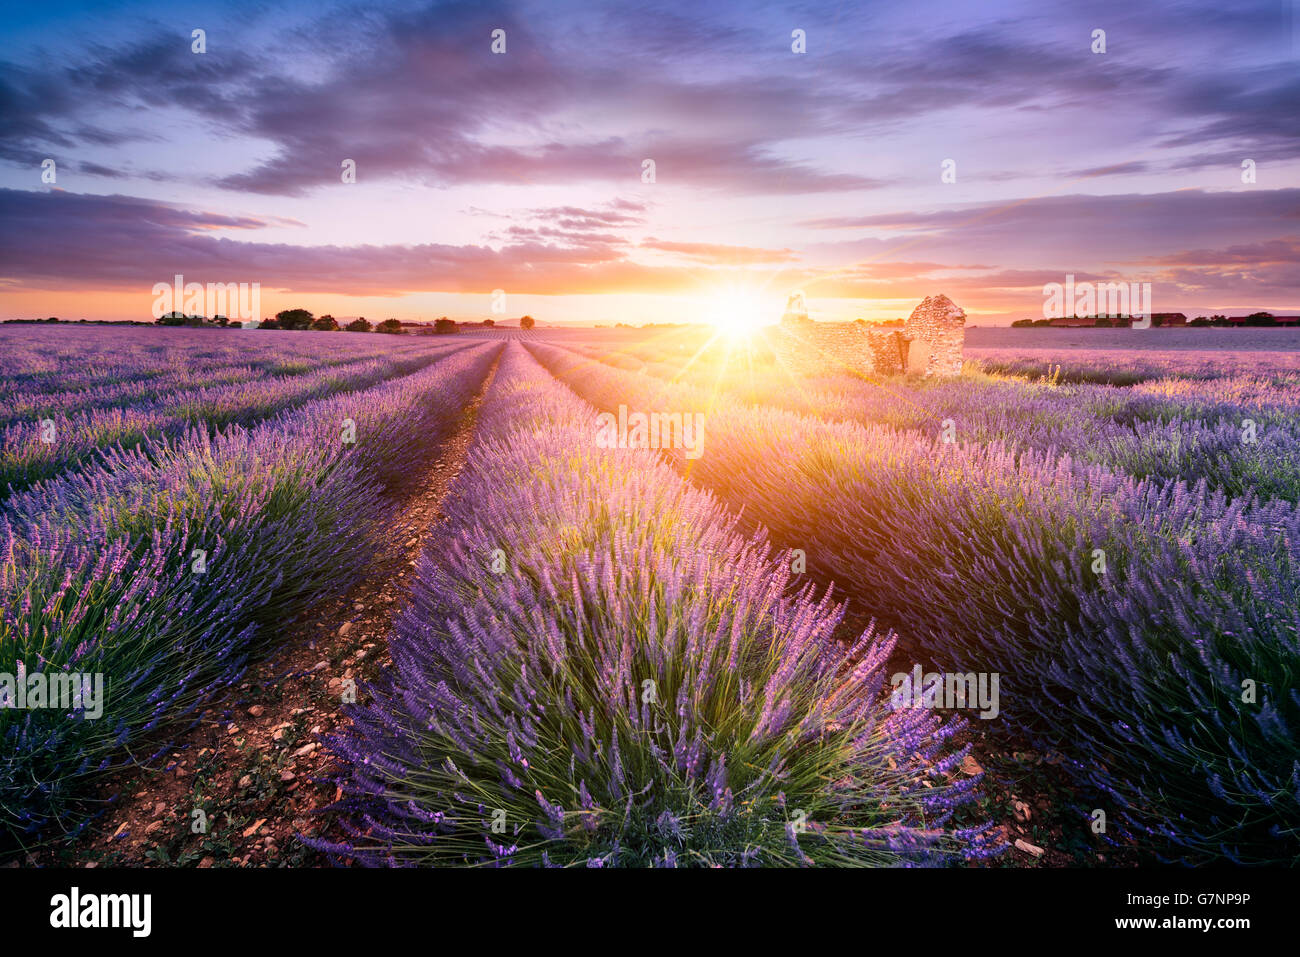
(681, 648)
(158, 541)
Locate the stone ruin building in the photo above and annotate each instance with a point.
(930, 342)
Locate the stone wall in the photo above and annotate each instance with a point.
(822, 348)
(888, 352)
(930, 343)
(941, 324)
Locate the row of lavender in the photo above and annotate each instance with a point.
(1266, 353)
(1148, 629)
(1239, 434)
(597, 669)
(155, 567)
(36, 448)
(49, 362)
(99, 382)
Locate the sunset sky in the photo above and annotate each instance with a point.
(775, 171)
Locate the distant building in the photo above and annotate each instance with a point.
(1087, 322)
(1158, 319)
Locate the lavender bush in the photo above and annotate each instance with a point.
(598, 670)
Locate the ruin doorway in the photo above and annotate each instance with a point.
(917, 356)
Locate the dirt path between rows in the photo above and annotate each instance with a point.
(254, 765)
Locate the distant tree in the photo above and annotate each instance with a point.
(443, 325)
(358, 325)
(294, 319)
(1022, 324)
(489, 322)
(1157, 321)
(1219, 321)
(1261, 319)
(325, 323)
(527, 322)
(235, 325)
(175, 319)
(1042, 322)
(1199, 321)
(390, 326)
(1103, 323)
(220, 321)
(268, 324)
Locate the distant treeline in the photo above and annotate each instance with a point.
(1255, 319)
(302, 320)
(79, 322)
(292, 319)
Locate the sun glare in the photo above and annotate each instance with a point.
(736, 312)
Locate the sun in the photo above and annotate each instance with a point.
(735, 312)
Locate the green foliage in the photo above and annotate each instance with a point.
(294, 319)
(174, 319)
